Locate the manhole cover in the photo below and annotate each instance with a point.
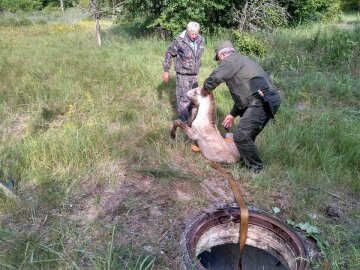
(210, 241)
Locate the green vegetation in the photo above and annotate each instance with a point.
(85, 141)
(168, 17)
(23, 5)
(213, 16)
(249, 44)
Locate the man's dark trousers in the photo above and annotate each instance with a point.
(252, 122)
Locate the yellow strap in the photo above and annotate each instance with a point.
(244, 212)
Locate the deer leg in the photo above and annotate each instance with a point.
(192, 117)
(178, 123)
(194, 101)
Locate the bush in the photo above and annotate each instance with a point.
(304, 11)
(20, 5)
(261, 15)
(248, 43)
(171, 17)
(350, 5)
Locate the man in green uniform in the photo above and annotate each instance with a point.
(187, 50)
(256, 100)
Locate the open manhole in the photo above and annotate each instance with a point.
(210, 241)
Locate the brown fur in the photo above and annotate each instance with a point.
(203, 130)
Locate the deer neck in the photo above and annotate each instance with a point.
(206, 111)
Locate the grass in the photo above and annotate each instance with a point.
(85, 136)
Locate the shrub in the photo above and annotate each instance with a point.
(20, 5)
(350, 5)
(171, 17)
(303, 11)
(260, 15)
(248, 43)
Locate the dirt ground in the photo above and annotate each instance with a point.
(151, 213)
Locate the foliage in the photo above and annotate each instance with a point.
(20, 5)
(261, 15)
(304, 11)
(350, 5)
(53, 3)
(309, 229)
(248, 43)
(30, 5)
(172, 16)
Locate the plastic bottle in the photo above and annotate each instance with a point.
(229, 135)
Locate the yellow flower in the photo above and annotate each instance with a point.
(89, 97)
(71, 110)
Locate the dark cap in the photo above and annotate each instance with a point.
(223, 45)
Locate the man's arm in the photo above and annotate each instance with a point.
(222, 73)
(169, 54)
(212, 81)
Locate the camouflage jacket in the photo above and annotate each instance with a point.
(187, 57)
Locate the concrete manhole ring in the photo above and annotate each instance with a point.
(210, 241)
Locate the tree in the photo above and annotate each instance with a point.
(62, 6)
(99, 8)
(350, 4)
(260, 14)
(20, 5)
(95, 11)
(170, 17)
(304, 11)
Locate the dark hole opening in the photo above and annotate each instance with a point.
(226, 257)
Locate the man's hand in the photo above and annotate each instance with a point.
(228, 121)
(166, 76)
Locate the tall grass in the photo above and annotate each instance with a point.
(70, 110)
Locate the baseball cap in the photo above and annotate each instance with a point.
(223, 45)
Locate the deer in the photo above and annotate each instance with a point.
(201, 128)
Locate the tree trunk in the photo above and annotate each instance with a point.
(96, 13)
(98, 32)
(62, 6)
(244, 18)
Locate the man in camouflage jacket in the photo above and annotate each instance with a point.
(187, 50)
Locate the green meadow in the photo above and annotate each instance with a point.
(85, 144)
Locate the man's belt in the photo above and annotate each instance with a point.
(252, 97)
(183, 74)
